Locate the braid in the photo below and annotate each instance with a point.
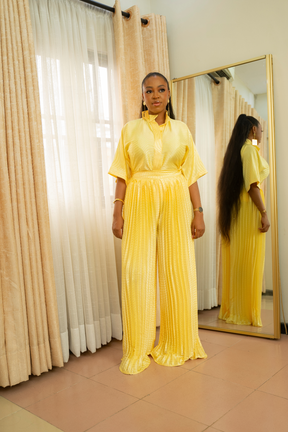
(231, 178)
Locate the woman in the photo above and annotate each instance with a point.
(157, 168)
(243, 221)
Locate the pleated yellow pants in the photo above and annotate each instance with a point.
(157, 227)
(243, 266)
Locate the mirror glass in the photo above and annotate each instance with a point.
(210, 105)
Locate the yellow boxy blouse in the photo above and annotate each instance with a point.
(255, 168)
(146, 146)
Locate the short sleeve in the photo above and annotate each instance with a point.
(250, 162)
(192, 167)
(120, 166)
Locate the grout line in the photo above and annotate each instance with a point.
(15, 412)
(233, 408)
(52, 394)
(271, 394)
(14, 404)
(102, 421)
(120, 391)
(218, 430)
(164, 385)
(148, 394)
(224, 380)
(104, 370)
(34, 415)
(270, 378)
(176, 413)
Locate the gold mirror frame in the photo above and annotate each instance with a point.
(273, 196)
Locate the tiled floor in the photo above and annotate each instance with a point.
(242, 386)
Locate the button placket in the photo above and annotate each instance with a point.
(158, 159)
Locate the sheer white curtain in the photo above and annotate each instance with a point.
(81, 121)
(205, 247)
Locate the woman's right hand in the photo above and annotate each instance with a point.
(117, 226)
(265, 224)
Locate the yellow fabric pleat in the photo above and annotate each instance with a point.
(158, 218)
(243, 267)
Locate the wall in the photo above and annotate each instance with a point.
(144, 5)
(207, 34)
(243, 90)
(261, 105)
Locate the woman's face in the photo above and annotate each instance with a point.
(258, 133)
(155, 94)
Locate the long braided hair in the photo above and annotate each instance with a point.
(231, 178)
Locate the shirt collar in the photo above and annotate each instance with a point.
(149, 117)
(250, 143)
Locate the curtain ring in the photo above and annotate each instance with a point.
(130, 13)
(145, 25)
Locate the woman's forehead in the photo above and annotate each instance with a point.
(155, 81)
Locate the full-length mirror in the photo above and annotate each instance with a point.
(210, 103)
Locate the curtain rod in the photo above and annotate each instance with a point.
(213, 78)
(111, 9)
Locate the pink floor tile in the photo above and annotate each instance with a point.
(259, 412)
(205, 317)
(144, 417)
(142, 384)
(268, 329)
(89, 364)
(115, 343)
(211, 350)
(277, 348)
(246, 368)
(220, 338)
(278, 384)
(40, 387)
(199, 397)
(81, 406)
(267, 317)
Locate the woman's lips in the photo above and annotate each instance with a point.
(156, 103)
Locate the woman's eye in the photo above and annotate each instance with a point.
(162, 90)
(148, 91)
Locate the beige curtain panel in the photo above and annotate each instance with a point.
(183, 95)
(140, 49)
(29, 329)
(192, 101)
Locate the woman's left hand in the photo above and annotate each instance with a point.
(198, 225)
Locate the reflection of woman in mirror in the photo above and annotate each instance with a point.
(157, 168)
(243, 223)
